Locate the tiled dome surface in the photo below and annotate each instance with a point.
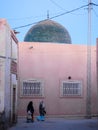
(48, 31)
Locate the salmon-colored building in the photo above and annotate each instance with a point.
(56, 71)
(50, 68)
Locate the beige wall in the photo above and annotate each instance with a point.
(54, 63)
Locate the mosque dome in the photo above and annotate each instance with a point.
(48, 31)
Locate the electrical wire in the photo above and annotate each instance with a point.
(57, 4)
(93, 4)
(24, 18)
(95, 13)
(67, 12)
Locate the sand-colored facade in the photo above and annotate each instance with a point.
(54, 66)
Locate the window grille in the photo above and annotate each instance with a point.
(72, 88)
(32, 88)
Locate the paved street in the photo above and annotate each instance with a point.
(57, 124)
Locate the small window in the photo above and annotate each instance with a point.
(71, 88)
(32, 88)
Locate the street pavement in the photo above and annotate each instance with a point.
(57, 124)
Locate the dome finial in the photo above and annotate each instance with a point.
(47, 14)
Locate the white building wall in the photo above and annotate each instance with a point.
(7, 98)
(8, 52)
(2, 64)
(1, 86)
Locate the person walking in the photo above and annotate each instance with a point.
(30, 111)
(42, 111)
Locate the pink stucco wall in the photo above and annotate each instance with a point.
(53, 63)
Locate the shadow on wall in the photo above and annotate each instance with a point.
(5, 122)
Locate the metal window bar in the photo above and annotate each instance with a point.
(71, 89)
(30, 88)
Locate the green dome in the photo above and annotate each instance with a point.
(48, 31)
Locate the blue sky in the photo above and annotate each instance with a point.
(23, 12)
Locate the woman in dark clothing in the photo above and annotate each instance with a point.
(30, 109)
